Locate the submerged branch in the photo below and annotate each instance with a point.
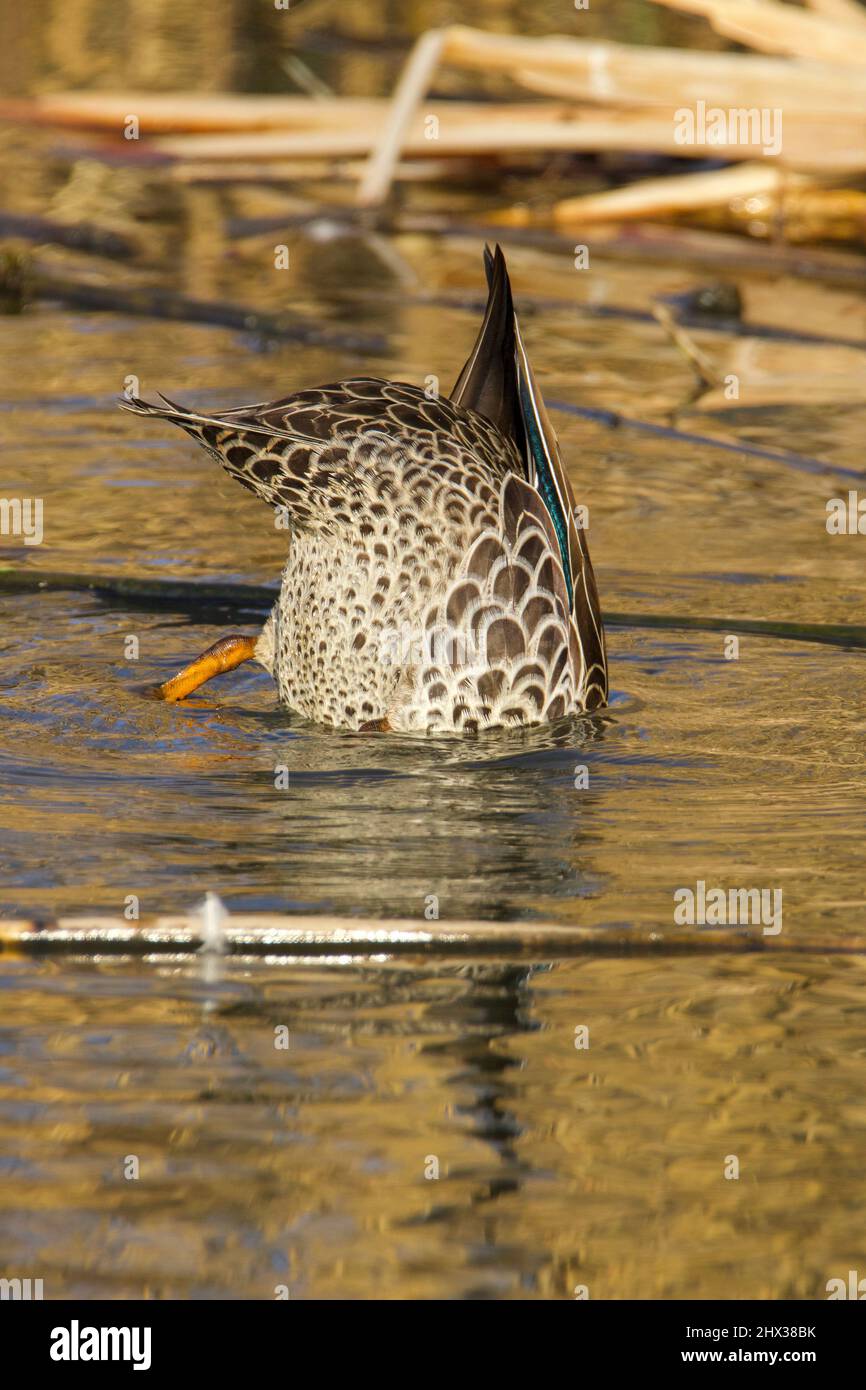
(79, 236)
(160, 303)
(193, 596)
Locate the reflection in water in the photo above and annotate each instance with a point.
(489, 1012)
(558, 1167)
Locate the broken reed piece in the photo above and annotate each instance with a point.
(502, 128)
(678, 77)
(760, 199)
(840, 11)
(797, 216)
(621, 74)
(194, 113)
(777, 28)
(516, 128)
(680, 193)
(412, 86)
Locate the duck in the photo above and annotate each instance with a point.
(438, 578)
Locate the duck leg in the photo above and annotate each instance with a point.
(224, 655)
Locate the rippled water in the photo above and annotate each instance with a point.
(558, 1167)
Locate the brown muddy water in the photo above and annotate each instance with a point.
(559, 1167)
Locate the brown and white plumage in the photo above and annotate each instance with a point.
(437, 579)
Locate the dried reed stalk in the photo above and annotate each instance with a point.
(775, 28)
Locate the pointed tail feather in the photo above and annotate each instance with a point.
(497, 381)
(488, 381)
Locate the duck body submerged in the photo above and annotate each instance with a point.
(437, 579)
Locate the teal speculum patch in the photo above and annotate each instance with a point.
(546, 486)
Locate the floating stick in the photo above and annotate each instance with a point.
(278, 935)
